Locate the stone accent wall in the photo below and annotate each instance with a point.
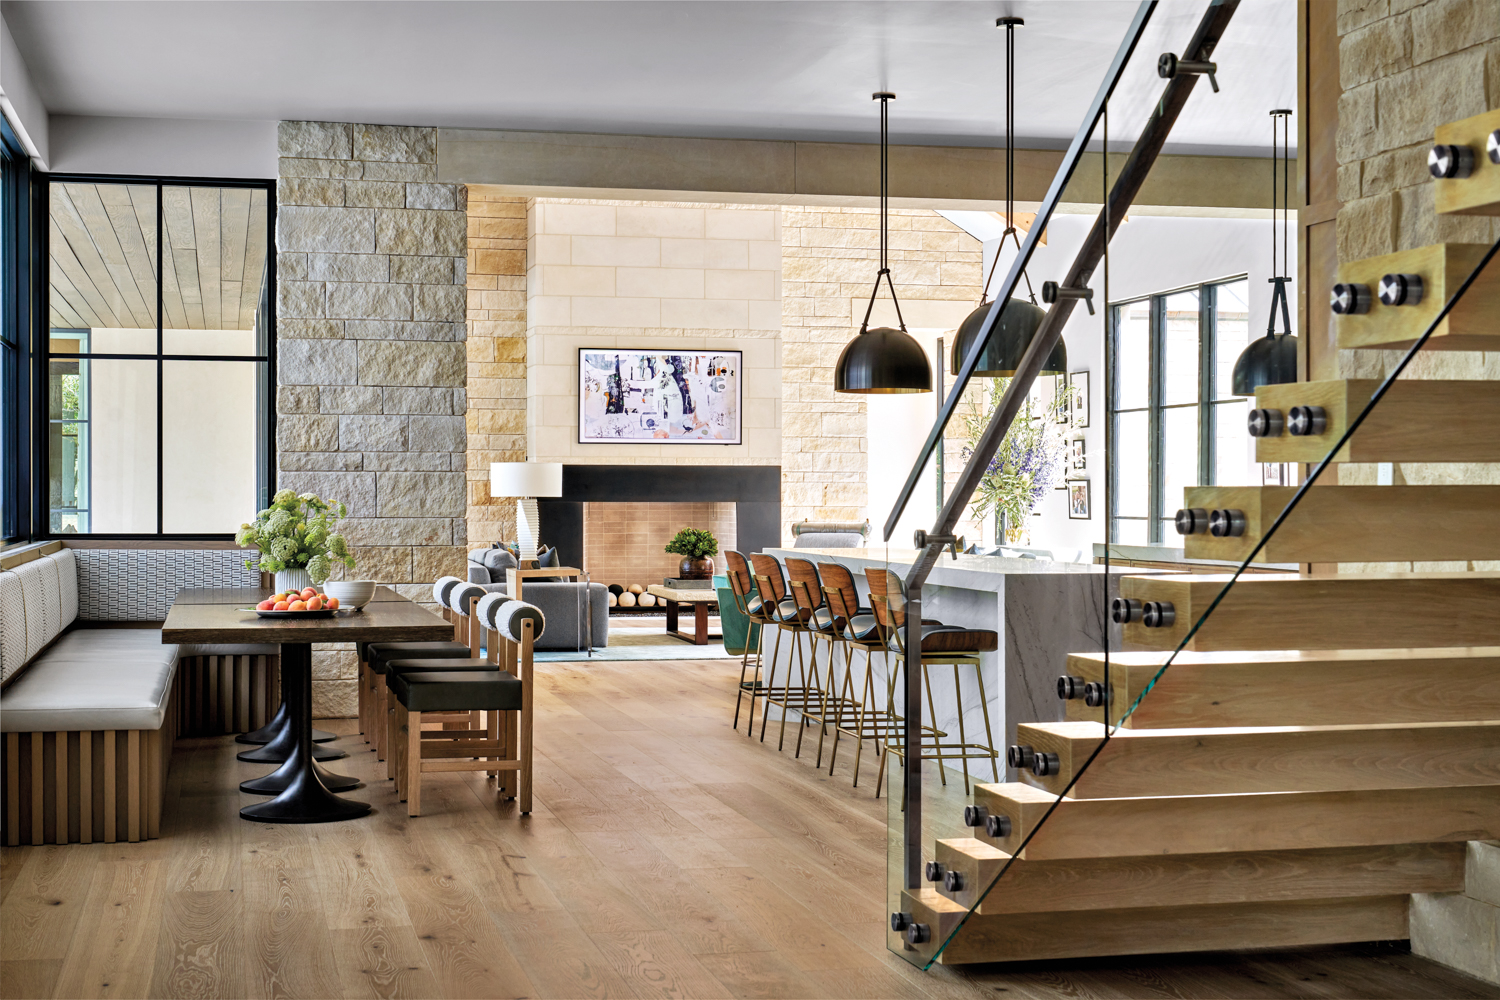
(653, 275)
(1404, 68)
(371, 265)
(496, 418)
(829, 259)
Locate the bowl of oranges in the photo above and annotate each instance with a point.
(307, 603)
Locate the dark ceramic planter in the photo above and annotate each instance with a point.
(696, 569)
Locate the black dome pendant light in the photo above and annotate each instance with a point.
(1272, 359)
(883, 360)
(1018, 320)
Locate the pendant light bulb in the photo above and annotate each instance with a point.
(885, 359)
(1272, 359)
(1019, 319)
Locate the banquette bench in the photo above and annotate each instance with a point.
(92, 699)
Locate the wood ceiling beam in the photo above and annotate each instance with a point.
(595, 165)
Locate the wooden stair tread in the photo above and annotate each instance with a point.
(1353, 523)
(1149, 930)
(1202, 761)
(1418, 420)
(1295, 611)
(1443, 267)
(1296, 687)
(1031, 886)
(1260, 821)
(1479, 193)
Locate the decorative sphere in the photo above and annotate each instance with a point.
(646, 600)
(636, 588)
(613, 600)
(627, 600)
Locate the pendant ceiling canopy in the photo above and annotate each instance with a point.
(1272, 359)
(883, 360)
(1019, 319)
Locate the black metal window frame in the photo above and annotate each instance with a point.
(266, 388)
(16, 260)
(1206, 401)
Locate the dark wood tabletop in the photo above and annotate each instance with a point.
(248, 597)
(393, 620)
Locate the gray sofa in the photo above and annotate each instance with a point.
(570, 607)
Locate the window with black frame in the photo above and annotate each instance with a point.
(1176, 423)
(158, 386)
(15, 254)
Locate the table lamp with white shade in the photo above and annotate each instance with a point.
(526, 481)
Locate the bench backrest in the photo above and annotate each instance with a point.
(38, 599)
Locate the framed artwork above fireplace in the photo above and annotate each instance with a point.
(662, 397)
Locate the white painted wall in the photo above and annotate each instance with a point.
(171, 147)
(1148, 254)
(19, 100)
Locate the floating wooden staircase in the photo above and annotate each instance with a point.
(1326, 746)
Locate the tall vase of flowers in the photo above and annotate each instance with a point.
(1027, 463)
(296, 539)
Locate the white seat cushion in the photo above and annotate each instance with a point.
(12, 625)
(93, 679)
(228, 649)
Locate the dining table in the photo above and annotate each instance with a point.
(302, 790)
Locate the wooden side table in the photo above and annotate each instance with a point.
(515, 578)
(700, 600)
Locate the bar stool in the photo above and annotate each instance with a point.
(807, 590)
(941, 644)
(854, 628)
(457, 602)
(748, 602)
(499, 701)
(770, 584)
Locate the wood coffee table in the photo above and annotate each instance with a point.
(701, 601)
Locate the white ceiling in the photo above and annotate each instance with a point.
(790, 70)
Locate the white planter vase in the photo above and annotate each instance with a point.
(292, 579)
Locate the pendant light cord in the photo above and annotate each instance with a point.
(885, 200)
(1280, 206)
(1009, 24)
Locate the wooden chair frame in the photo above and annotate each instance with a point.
(495, 741)
(740, 586)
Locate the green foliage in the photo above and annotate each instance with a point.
(1027, 462)
(694, 543)
(297, 532)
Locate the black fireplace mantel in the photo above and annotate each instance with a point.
(755, 491)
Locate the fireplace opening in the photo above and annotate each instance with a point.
(624, 543)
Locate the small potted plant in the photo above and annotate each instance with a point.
(296, 539)
(697, 548)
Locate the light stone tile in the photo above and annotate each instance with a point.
(375, 194)
(333, 230)
(550, 380)
(315, 140)
(616, 312)
(764, 315)
(421, 232)
(440, 302)
(739, 285)
(361, 432)
(318, 461)
(292, 167)
(317, 362)
(303, 432)
(404, 399)
(561, 279)
(408, 461)
(350, 399)
(420, 494)
(550, 310)
(548, 249)
(579, 220)
(403, 172)
(614, 251)
(658, 220)
(355, 489)
(426, 270)
(658, 282)
(437, 433)
(297, 299)
(386, 329)
(309, 329)
(398, 531)
(297, 399)
(764, 255)
(360, 300)
(348, 267)
(326, 191)
(410, 364)
(396, 143)
(705, 314)
(437, 196)
(740, 224)
(683, 253)
(727, 254)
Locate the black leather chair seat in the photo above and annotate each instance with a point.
(416, 665)
(377, 654)
(457, 690)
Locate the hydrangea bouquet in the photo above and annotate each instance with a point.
(297, 532)
(1028, 462)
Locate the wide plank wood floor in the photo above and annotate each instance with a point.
(668, 856)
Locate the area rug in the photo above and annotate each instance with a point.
(643, 638)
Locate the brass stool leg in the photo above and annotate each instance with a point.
(937, 738)
(829, 695)
(989, 736)
(842, 695)
(771, 685)
(760, 648)
(958, 696)
(804, 671)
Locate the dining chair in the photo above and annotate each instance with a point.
(747, 601)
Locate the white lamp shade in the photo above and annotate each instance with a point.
(526, 479)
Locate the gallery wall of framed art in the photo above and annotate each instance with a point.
(634, 396)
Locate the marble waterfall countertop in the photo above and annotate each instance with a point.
(1042, 611)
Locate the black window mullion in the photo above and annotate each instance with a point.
(1156, 450)
(1207, 417)
(160, 349)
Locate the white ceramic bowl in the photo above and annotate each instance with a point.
(351, 593)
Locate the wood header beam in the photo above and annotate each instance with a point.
(593, 165)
